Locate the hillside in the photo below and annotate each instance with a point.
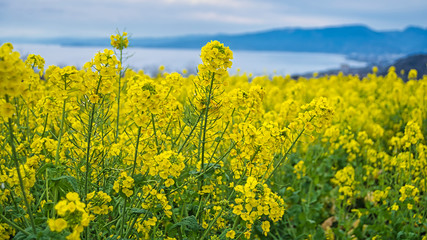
(354, 39)
(402, 65)
(343, 40)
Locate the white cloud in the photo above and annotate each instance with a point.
(214, 3)
(227, 18)
(378, 6)
(180, 17)
(310, 20)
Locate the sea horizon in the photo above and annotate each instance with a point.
(177, 59)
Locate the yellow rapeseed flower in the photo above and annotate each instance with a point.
(119, 41)
(231, 234)
(6, 110)
(265, 227)
(57, 225)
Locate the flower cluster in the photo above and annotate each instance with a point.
(256, 200)
(344, 178)
(14, 74)
(216, 59)
(97, 203)
(35, 61)
(10, 177)
(144, 227)
(409, 191)
(165, 165)
(300, 169)
(145, 97)
(72, 215)
(120, 41)
(124, 184)
(100, 75)
(156, 201)
(6, 231)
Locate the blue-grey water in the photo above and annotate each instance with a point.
(149, 59)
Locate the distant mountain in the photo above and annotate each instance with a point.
(343, 40)
(417, 62)
(355, 39)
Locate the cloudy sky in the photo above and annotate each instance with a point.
(156, 18)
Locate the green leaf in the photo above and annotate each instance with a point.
(138, 179)
(67, 182)
(138, 211)
(43, 168)
(190, 118)
(189, 222)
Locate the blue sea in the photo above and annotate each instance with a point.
(175, 60)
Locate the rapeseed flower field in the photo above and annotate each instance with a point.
(107, 152)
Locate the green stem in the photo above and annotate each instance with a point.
(219, 160)
(89, 136)
(136, 150)
(211, 224)
(199, 208)
(14, 225)
(243, 175)
(236, 222)
(228, 198)
(129, 229)
(17, 166)
(189, 135)
(286, 154)
(88, 150)
(205, 123)
(155, 134)
(60, 133)
(241, 234)
(45, 125)
(122, 227)
(28, 123)
(47, 190)
(221, 137)
(179, 135)
(202, 141)
(118, 99)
